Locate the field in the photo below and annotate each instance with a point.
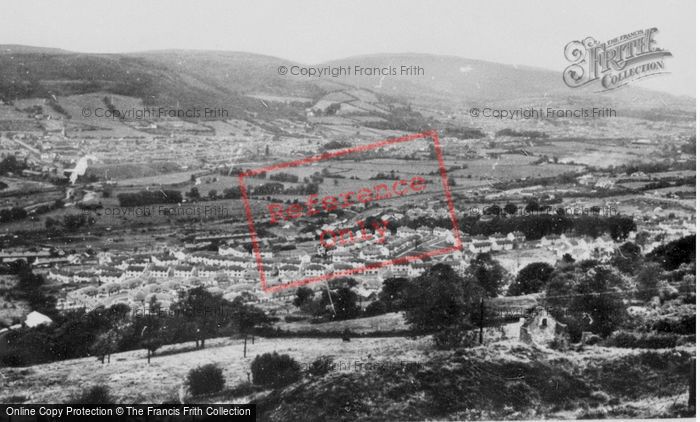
(381, 323)
(598, 153)
(568, 385)
(157, 180)
(135, 381)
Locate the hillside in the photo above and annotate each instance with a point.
(241, 82)
(452, 81)
(389, 379)
(506, 381)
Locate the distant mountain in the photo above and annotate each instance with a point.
(240, 81)
(453, 80)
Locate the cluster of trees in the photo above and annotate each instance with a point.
(586, 295)
(146, 197)
(653, 167)
(337, 302)
(521, 133)
(404, 119)
(671, 255)
(11, 164)
(276, 188)
(385, 176)
(231, 193)
(31, 288)
(12, 214)
(284, 177)
(336, 145)
(464, 132)
(531, 279)
(70, 222)
(485, 277)
(535, 226)
(590, 296)
(196, 316)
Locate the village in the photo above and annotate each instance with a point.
(163, 271)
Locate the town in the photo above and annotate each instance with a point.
(304, 222)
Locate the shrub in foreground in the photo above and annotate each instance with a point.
(205, 379)
(274, 370)
(97, 394)
(321, 366)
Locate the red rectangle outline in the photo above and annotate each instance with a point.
(339, 153)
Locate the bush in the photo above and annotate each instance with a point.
(97, 394)
(205, 379)
(560, 343)
(682, 325)
(294, 318)
(376, 308)
(321, 366)
(452, 338)
(519, 395)
(274, 370)
(641, 341)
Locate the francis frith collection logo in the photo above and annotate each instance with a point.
(616, 62)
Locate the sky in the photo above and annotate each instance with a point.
(531, 33)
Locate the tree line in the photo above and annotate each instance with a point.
(197, 315)
(146, 197)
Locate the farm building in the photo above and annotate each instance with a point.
(540, 327)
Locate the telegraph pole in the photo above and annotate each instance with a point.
(330, 299)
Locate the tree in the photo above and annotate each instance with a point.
(341, 282)
(493, 210)
(151, 340)
(597, 294)
(587, 298)
(213, 194)
(510, 209)
(245, 318)
(153, 330)
(344, 303)
(193, 193)
(204, 311)
(106, 344)
(304, 294)
(627, 258)
(642, 238)
(532, 207)
(73, 222)
(648, 281)
(376, 308)
(489, 274)
(393, 293)
(440, 299)
(332, 109)
(675, 253)
(531, 279)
